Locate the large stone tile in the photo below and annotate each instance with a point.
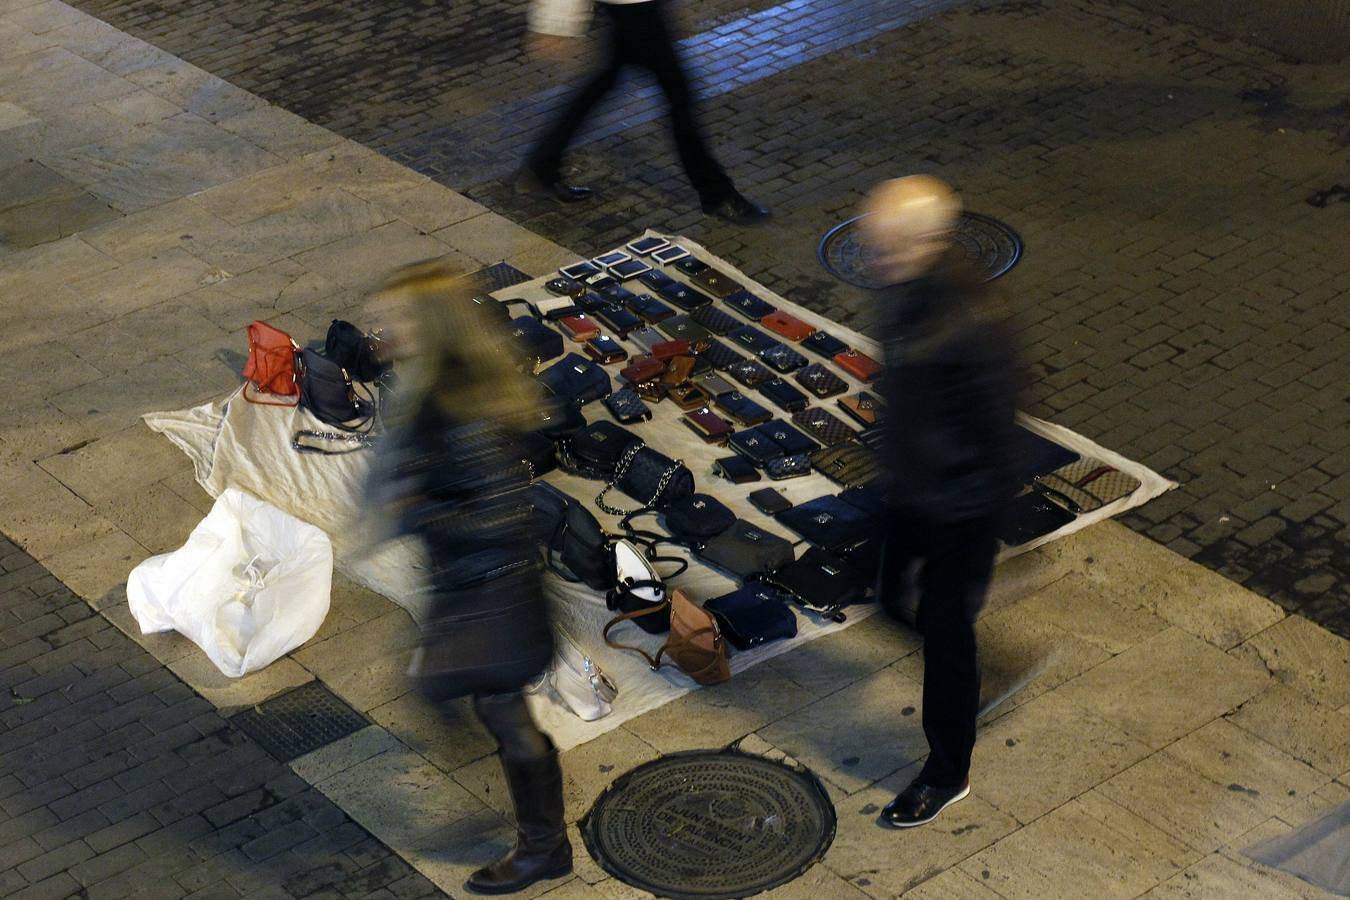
(34, 271)
(399, 797)
(1229, 756)
(42, 223)
(154, 516)
(952, 884)
(1305, 656)
(1046, 752)
(339, 756)
(885, 862)
(365, 665)
(1314, 734)
(144, 335)
(1218, 876)
(144, 282)
(716, 716)
(31, 182)
(1088, 847)
(350, 605)
(448, 734)
(112, 466)
(196, 91)
(450, 854)
(12, 116)
(858, 735)
(363, 260)
(833, 662)
(362, 171)
(118, 401)
(39, 372)
(44, 17)
(429, 207)
(165, 646)
(489, 238)
(43, 517)
(47, 135)
(1205, 604)
(813, 884)
(150, 232)
(1084, 608)
(94, 569)
(542, 258)
(279, 131)
(38, 430)
(608, 889)
(1167, 687)
(264, 192)
(184, 485)
(50, 82)
(140, 107)
(232, 694)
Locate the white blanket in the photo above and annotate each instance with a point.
(233, 443)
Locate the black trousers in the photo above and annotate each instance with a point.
(956, 560)
(508, 719)
(639, 36)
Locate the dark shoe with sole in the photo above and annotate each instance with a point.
(920, 804)
(735, 208)
(542, 849)
(528, 182)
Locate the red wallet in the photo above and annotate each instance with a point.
(642, 368)
(666, 350)
(859, 365)
(788, 325)
(579, 328)
(709, 425)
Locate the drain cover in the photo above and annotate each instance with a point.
(710, 823)
(502, 275)
(292, 724)
(992, 246)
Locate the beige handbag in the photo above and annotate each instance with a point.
(695, 644)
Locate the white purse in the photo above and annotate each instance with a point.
(579, 682)
(632, 568)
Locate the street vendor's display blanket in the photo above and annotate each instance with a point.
(234, 443)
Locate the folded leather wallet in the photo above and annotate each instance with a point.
(736, 469)
(823, 426)
(749, 372)
(593, 300)
(604, 350)
(828, 522)
(822, 343)
(790, 439)
(748, 305)
(626, 406)
(683, 328)
(750, 338)
(555, 308)
(745, 550)
(678, 370)
(784, 395)
(787, 325)
(851, 465)
(655, 279)
(742, 409)
(617, 293)
(782, 358)
(565, 287)
(717, 354)
(820, 381)
(708, 425)
(715, 384)
(580, 327)
(691, 265)
(1086, 485)
(617, 319)
(646, 337)
(714, 282)
(688, 396)
(648, 308)
(667, 350)
(683, 296)
(863, 407)
(784, 467)
(717, 321)
(859, 365)
(754, 446)
(642, 368)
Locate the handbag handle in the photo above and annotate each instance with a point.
(358, 442)
(654, 662)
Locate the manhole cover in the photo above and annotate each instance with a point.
(992, 246)
(710, 823)
(502, 275)
(292, 724)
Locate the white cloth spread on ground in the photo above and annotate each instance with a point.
(233, 443)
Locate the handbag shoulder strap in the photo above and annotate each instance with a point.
(653, 661)
(249, 384)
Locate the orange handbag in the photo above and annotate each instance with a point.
(859, 365)
(271, 367)
(788, 325)
(695, 644)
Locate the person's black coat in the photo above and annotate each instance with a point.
(951, 384)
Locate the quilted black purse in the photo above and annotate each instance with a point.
(820, 582)
(576, 379)
(627, 407)
(596, 450)
(717, 354)
(649, 477)
(533, 341)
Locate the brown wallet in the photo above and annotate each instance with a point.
(787, 325)
(642, 368)
(709, 425)
(688, 395)
(667, 349)
(862, 406)
(678, 370)
(859, 365)
(715, 283)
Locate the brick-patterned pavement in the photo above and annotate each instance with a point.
(117, 780)
(1183, 302)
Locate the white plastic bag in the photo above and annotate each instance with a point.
(251, 584)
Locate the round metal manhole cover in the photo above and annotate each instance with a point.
(992, 246)
(710, 823)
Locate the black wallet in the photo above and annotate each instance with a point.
(617, 293)
(793, 466)
(769, 501)
(655, 279)
(755, 447)
(619, 320)
(750, 338)
(683, 296)
(715, 320)
(750, 306)
(736, 469)
(1030, 516)
(749, 372)
(745, 411)
(691, 265)
(648, 308)
(824, 344)
(784, 395)
(683, 328)
(626, 406)
(717, 354)
(790, 439)
(782, 357)
(820, 381)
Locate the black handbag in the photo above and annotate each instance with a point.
(649, 477)
(1030, 516)
(326, 390)
(537, 454)
(745, 550)
(533, 341)
(820, 582)
(595, 451)
(698, 518)
(828, 522)
(575, 545)
(354, 350)
(752, 615)
(576, 379)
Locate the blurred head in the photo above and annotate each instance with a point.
(908, 225)
(446, 348)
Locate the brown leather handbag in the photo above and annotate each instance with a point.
(271, 366)
(695, 644)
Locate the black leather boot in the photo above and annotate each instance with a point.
(542, 850)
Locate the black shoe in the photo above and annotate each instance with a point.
(735, 208)
(920, 804)
(527, 182)
(542, 850)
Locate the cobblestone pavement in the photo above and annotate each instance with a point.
(1183, 301)
(118, 780)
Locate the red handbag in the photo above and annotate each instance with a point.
(859, 365)
(271, 365)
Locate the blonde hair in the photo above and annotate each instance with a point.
(461, 363)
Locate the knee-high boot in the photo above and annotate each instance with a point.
(542, 850)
